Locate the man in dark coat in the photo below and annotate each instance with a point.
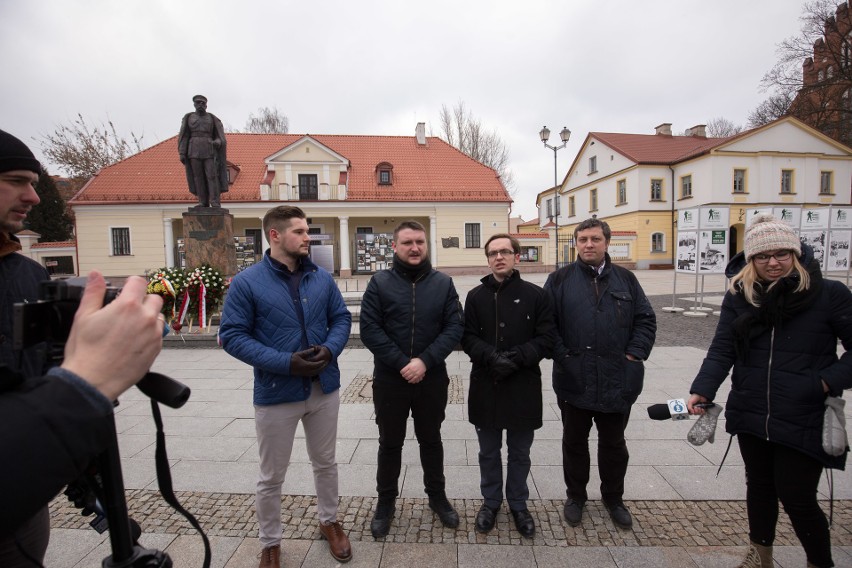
(202, 150)
(52, 426)
(508, 330)
(411, 320)
(606, 328)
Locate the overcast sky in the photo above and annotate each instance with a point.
(379, 67)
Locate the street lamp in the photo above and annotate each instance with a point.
(564, 135)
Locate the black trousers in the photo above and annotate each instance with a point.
(776, 472)
(612, 452)
(518, 464)
(426, 402)
(33, 536)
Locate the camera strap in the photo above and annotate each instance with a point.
(164, 481)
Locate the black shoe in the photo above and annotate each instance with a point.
(574, 512)
(380, 525)
(485, 519)
(449, 517)
(620, 516)
(524, 523)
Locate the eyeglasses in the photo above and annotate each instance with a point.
(502, 252)
(780, 256)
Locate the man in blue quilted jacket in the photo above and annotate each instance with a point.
(286, 317)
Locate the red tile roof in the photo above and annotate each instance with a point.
(658, 148)
(59, 244)
(434, 172)
(530, 235)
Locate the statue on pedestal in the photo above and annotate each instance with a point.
(201, 145)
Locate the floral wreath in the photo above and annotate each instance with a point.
(169, 284)
(204, 290)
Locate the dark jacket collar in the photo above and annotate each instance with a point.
(305, 264)
(490, 282)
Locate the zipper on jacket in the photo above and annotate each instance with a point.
(768, 375)
(413, 310)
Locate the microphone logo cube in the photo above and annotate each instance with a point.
(677, 408)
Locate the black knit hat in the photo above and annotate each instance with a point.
(14, 155)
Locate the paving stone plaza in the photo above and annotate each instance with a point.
(684, 514)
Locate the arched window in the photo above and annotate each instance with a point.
(384, 173)
(658, 242)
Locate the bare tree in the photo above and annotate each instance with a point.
(721, 127)
(461, 129)
(821, 99)
(268, 121)
(81, 149)
(771, 109)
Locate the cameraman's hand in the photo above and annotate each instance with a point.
(305, 364)
(113, 347)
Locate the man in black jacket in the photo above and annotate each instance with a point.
(606, 328)
(52, 426)
(508, 329)
(411, 320)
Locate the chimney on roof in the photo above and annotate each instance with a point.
(420, 133)
(698, 131)
(665, 129)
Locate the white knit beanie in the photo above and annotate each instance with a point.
(768, 233)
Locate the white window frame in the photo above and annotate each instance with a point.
(572, 206)
(621, 191)
(112, 243)
(788, 180)
(734, 182)
(660, 181)
(593, 164)
(549, 208)
(593, 199)
(479, 236)
(684, 184)
(822, 176)
(662, 242)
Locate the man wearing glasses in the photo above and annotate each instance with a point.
(508, 330)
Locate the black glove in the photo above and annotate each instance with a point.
(321, 353)
(302, 363)
(501, 365)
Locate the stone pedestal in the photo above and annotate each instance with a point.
(208, 234)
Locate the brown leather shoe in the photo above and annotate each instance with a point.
(338, 542)
(270, 557)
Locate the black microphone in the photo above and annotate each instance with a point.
(675, 409)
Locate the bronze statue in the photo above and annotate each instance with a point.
(201, 144)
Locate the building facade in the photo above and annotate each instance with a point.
(353, 189)
(639, 182)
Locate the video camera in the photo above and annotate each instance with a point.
(101, 489)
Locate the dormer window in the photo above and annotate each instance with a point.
(232, 173)
(384, 174)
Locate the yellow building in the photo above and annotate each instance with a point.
(638, 183)
(353, 189)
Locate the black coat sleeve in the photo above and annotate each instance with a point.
(51, 428)
(644, 323)
(473, 344)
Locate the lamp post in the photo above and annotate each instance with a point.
(564, 135)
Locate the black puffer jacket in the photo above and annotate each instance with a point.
(509, 315)
(19, 282)
(599, 320)
(402, 319)
(776, 392)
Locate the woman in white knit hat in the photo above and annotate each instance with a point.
(778, 329)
